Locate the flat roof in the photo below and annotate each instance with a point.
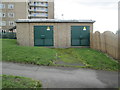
(52, 21)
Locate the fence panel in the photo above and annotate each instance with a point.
(106, 42)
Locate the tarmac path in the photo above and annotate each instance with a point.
(63, 77)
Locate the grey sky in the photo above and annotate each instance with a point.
(105, 12)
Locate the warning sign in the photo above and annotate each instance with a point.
(84, 28)
(48, 28)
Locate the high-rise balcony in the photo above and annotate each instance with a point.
(38, 5)
(38, 15)
(38, 10)
(45, 1)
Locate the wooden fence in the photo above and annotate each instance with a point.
(106, 42)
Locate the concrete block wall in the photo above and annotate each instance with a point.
(62, 33)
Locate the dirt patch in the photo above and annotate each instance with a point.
(72, 64)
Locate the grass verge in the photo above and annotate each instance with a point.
(89, 57)
(9, 81)
(47, 56)
(31, 55)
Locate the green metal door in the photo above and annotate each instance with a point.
(43, 35)
(80, 35)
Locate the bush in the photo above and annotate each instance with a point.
(9, 35)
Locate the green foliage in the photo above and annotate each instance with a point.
(9, 81)
(10, 35)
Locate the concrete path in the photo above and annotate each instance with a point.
(62, 77)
